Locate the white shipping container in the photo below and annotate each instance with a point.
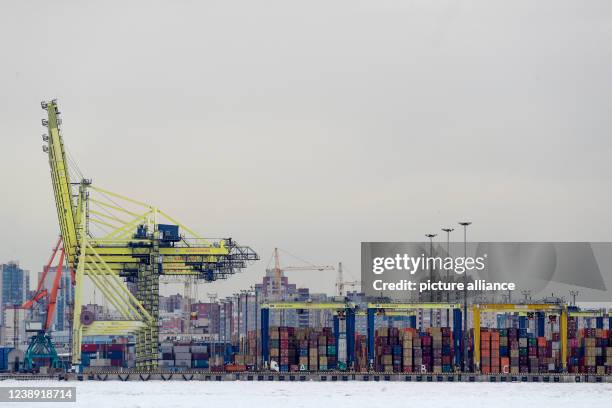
(100, 362)
(182, 363)
(342, 348)
(181, 349)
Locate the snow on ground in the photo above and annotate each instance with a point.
(234, 394)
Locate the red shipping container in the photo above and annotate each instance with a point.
(89, 348)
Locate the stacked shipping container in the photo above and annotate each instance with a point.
(303, 349)
(105, 355)
(590, 351)
(191, 355)
(407, 350)
(516, 351)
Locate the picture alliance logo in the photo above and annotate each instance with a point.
(412, 264)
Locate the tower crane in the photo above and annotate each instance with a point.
(278, 273)
(112, 240)
(341, 283)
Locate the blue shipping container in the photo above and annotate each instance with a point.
(200, 363)
(4, 352)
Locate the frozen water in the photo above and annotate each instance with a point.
(234, 394)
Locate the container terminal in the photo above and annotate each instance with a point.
(126, 248)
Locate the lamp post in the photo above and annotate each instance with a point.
(256, 327)
(238, 305)
(246, 312)
(448, 231)
(526, 294)
(212, 298)
(431, 294)
(465, 224)
(431, 237)
(573, 294)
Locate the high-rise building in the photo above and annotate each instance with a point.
(14, 286)
(12, 332)
(208, 311)
(171, 304)
(266, 287)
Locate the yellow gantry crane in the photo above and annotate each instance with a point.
(558, 309)
(122, 246)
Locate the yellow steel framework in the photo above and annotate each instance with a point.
(412, 306)
(521, 308)
(306, 305)
(114, 240)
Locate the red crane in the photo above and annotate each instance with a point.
(40, 345)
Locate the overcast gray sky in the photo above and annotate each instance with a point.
(315, 125)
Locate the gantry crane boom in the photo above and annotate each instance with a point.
(113, 239)
(60, 178)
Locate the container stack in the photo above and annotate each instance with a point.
(166, 355)
(246, 353)
(442, 351)
(216, 363)
(322, 342)
(251, 348)
(313, 352)
(417, 353)
(182, 356)
(361, 353)
(515, 351)
(274, 343)
(504, 351)
(608, 356)
(427, 353)
(199, 356)
(301, 349)
(408, 350)
(495, 357)
(383, 350)
(485, 351)
(590, 352)
(407, 337)
(104, 355)
(284, 334)
(328, 357)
